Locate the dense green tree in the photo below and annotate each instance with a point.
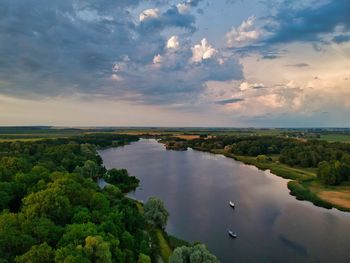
(75, 234)
(13, 241)
(90, 169)
(51, 203)
(97, 250)
(155, 212)
(54, 211)
(121, 179)
(196, 254)
(42, 253)
(144, 259)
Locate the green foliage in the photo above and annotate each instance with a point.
(303, 193)
(122, 179)
(263, 158)
(331, 159)
(196, 254)
(333, 173)
(90, 169)
(155, 212)
(42, 253)
(175, 242)
(144, 259)
(54, 211)
(97, 250)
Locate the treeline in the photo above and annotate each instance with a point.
(52, 210)
(331, 159)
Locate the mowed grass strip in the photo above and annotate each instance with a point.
(165, 250)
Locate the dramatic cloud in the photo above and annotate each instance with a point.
(308, 24)
(99, 48)
(167, 55)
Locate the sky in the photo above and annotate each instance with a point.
(195, 63)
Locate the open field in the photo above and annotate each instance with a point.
(336, 195)
(340, 198)
(336, 138)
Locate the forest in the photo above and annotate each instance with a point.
(52, 209)
(332, 160)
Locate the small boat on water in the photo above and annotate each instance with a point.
(231, 234)
(232, 204)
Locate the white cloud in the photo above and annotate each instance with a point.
(149, 13)
(173, 43)
(244, 34)
(158, 59)
(183, 7)
(203, 51)
(116, 77)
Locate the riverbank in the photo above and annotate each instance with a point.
(304, 184)
(166, 243)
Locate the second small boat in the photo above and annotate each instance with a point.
(232, 204)
(231, 234)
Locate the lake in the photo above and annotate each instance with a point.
(196, 187)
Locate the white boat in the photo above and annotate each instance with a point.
(232, 204)
(231, 234)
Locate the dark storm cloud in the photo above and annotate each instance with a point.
(308, 24)
(316, 22)
(49, 48)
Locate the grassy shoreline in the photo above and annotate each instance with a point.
(166, 243)
(304, 184)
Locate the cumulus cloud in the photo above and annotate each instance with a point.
(203, 51)
(49, 48)
(183, 7)
(173, 43)
(157, 59)
(149, 13)
(244, 34)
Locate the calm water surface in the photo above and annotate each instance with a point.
(196, 187)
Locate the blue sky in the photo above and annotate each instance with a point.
(264, 63)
